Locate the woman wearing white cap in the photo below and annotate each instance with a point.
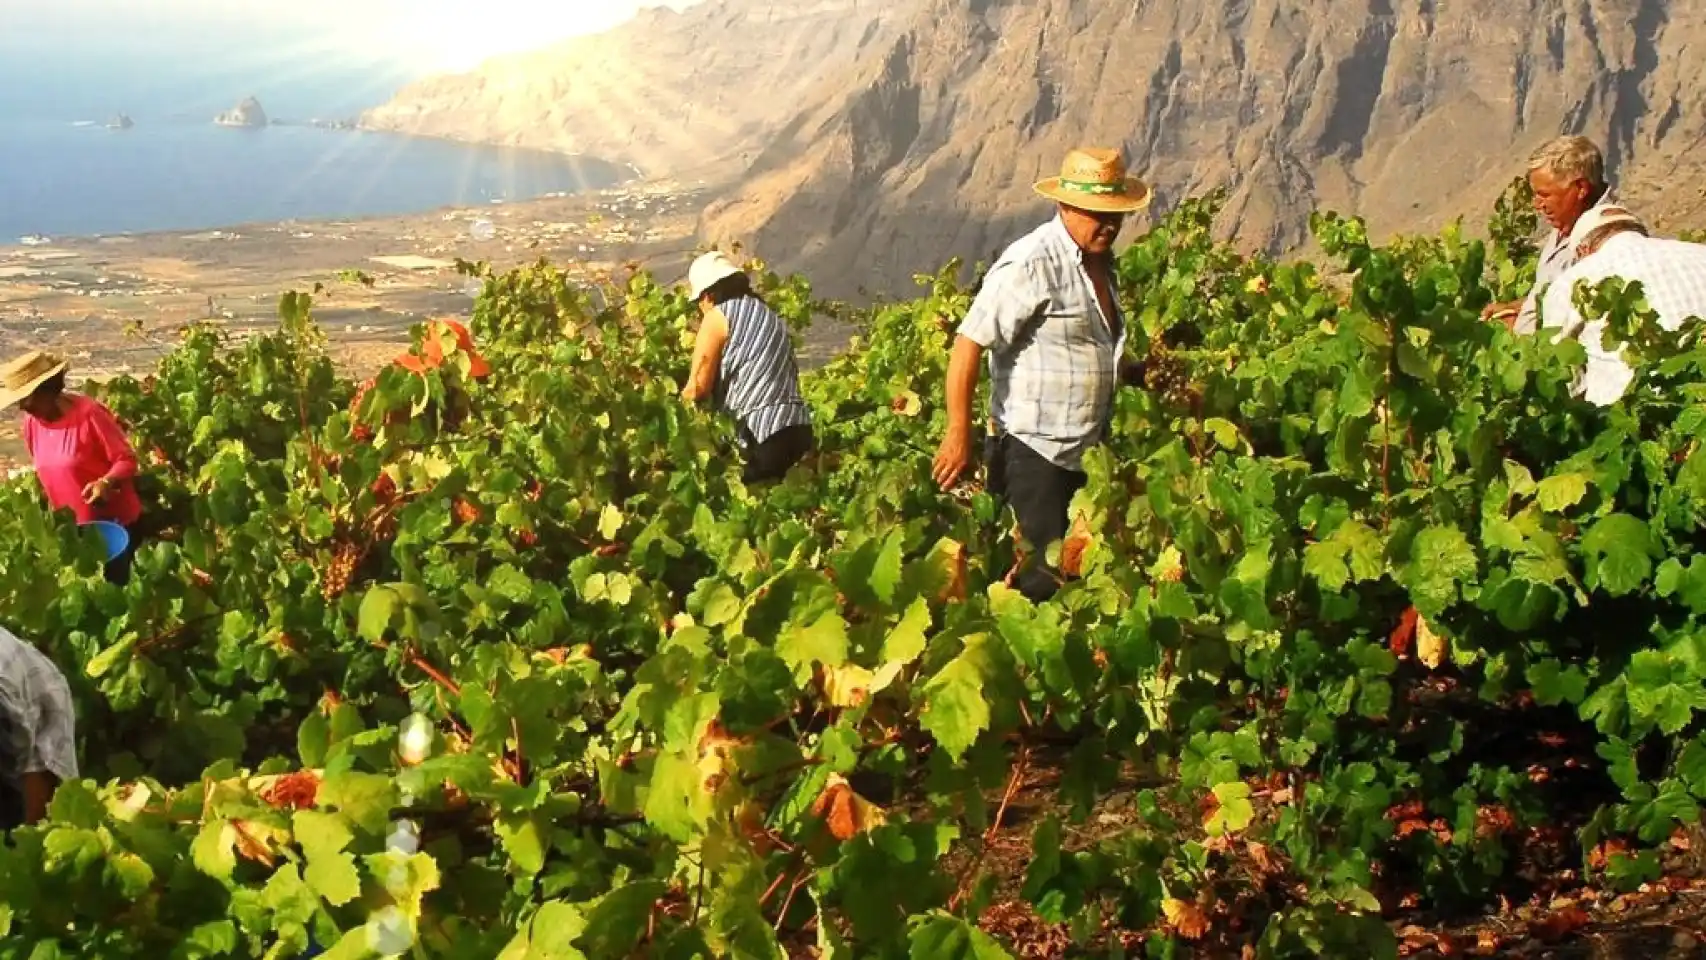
(744, 359)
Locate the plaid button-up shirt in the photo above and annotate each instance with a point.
(1053, 356)
(1556, 256)
(1672, 274)
(37, 730)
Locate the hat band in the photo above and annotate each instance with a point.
(1092, 187)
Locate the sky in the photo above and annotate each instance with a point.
(423, 36)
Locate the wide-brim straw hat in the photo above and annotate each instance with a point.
(22, 376)
(1095, 179)
(707, 271)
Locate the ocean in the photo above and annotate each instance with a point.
(64, 173)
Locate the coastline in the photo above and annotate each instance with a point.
(112, 304)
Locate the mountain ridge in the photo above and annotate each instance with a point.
(906, 134)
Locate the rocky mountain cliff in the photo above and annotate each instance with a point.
(1406, 111)
(670, 92)
(874, 139)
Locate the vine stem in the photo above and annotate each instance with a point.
(1013, 781)
(437, 676)
(788, 901)
(1007, 796)
(1386, 430)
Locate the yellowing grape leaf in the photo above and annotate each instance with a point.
(1233, 810)
(1431, 647)
(846, 813)
(610, 522)
(1186, 918)
(848, 685)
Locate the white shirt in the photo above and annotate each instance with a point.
(1557, 254)
(37, 728)
(1672, 274)
(1053, 355)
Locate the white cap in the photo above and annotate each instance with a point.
(1601, 216)
(707, 271)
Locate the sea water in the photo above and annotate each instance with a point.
(63, 172)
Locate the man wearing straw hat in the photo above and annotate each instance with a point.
(1048, 316)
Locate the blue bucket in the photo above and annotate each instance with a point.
(116, 537)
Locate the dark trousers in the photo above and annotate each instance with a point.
(118, 568)
(772, 459)
(1040, 494)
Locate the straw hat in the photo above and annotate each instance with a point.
(22, 376)
(1095, 179)
(708, 271)
(1602, 216)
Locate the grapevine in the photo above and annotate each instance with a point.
(1365, 622)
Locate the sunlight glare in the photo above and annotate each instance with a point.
(453, 35)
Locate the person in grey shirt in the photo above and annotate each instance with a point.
(1048, 315)
(1567, 175)
(38, 744)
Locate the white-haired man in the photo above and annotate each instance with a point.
(1567, 175)
(1612, 242)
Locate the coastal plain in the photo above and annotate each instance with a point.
(114, 305)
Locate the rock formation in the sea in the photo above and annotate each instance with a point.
(121, 122)
(245, 114)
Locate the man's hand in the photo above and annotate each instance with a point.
(97, 491)
(1505, 313)
(952, 458)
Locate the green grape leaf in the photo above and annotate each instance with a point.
(886, 568)
(824, 642)
(214, 849)
(942, 936)
(1620, 549)
(905, 643)
(331, 872)
(955, 712)
(1559, 493)
(1441, 561)
(523, 841)
(366, 798)
(1353, 554)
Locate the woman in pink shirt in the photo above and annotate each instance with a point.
(81, 456)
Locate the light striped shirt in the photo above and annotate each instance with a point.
(1556, 255)
(758, 382)
(1672, 275)
(37, 730)
(1053, 356)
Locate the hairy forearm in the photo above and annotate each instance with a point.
(38, 790)
(962, 383)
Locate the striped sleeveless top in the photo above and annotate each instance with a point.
(758, 382)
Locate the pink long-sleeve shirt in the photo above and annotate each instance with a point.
(79, 448)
